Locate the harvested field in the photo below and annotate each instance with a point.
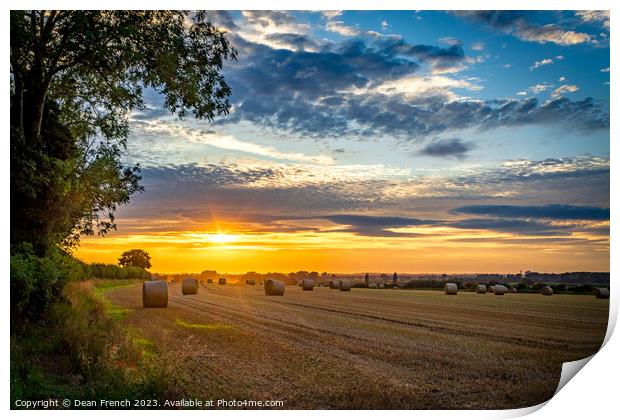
(389, 349)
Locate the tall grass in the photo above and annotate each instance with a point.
(84, 352)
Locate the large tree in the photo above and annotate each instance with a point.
(135, 258)
(75, 77)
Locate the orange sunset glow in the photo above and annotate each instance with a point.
(439, 250)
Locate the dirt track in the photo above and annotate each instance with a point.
(369, 348)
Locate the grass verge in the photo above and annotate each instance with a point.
(81, 351)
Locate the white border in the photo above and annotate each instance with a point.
(591, 395)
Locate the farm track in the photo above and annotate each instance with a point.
(368, 348)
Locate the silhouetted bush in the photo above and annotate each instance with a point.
(37, 282)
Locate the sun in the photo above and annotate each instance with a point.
(221, 238)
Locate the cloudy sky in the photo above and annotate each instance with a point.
(384, 141)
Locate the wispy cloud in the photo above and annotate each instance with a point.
(228, 142)
(549, 211)
(341, 28)
(518, 23)
(564, 89)
(546, 62)
(540, 87)
(591, 16)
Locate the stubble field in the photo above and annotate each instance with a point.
(367, 349)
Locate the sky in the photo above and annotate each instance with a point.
(382, 141)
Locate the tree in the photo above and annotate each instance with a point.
(57, 193)
(98, 62)
(135, 258)
(75, 78)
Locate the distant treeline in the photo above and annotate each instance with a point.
(521, 286)
(111, 271)
(579, 282)
(290, 278)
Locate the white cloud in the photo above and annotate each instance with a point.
(552, 33)
(564, 89)
(341, 28)
(478, 46)
(591, 16)
(258, 25)
(540, 88)
(228, 142)
(414, 86)
(546, 62)
(561, 79)
(605, 70)
(385, 25)
(448, 40)
(331, 14)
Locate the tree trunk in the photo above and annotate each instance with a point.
(27, 112)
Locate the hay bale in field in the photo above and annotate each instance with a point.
(513, 290)
(222, 281)
(345, 286)
(189, 286)
(250, 282)
(334, 284)
(481, 288)
(381, 286)
(601, 292)
(491, 289)
(372, 286)
(546, 291)
(274, 288)
(451, 289)
(307, 284)
(209, 280)
(155, 294)
(500, 290)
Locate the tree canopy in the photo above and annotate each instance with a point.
(75, 78)
(135, 258)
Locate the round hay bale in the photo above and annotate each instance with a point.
(222, 281)
(155, 294)
(274, 288)
(546, 291)
(481, 288)
(334, 284)
(491, 289)
(500, 290)
(307, 284)
(345, 286)
(451, 289)
(189, 286)
(209, 280)
(381, 285)
(250, 282)
(601, 292)
(372, 286)
(513, 290)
